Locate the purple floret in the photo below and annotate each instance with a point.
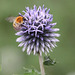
(37, 33)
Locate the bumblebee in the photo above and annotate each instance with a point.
(17, 22)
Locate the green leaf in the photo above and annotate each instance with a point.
(32, 72)
(48, 61)
(29, 72)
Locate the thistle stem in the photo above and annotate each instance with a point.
(41, 65)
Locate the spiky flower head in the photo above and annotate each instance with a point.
(37, 33)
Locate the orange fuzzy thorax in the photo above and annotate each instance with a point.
(19, 19)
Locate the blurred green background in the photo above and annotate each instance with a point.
(12, 59)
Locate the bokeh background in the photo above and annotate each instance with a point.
(12, 59)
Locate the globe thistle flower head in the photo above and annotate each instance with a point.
(37, 34)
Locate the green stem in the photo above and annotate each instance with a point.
(41, 65)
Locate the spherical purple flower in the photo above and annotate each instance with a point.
(37, 33)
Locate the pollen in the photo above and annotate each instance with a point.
(19, 19)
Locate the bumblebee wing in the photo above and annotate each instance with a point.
(10, 19)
